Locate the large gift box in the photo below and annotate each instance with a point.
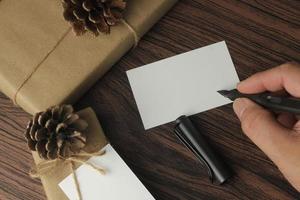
(42, 63)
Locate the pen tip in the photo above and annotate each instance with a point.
(223, 92)
(230, 94)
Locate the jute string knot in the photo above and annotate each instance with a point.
(48, 166)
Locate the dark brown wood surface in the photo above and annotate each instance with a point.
(260, 34)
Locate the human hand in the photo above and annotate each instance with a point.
(277, 135)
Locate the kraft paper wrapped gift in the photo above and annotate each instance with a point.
(42, 63)
(58, 175)
(95, 142)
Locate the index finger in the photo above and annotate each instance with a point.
(286, 76)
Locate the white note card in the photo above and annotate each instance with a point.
(185, 84)
(119, 182)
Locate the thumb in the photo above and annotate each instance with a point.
(263, 129)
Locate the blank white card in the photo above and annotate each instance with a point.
(119, 182)
(185, 84)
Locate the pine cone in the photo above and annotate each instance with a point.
(56, 133)
(93, 15)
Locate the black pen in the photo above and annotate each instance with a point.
(268, 100)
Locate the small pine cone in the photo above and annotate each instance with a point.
(93, 15)
(56, 133)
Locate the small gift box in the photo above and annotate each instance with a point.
(42, 63)
(63, 141)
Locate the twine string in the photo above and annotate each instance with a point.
(130, 28)
(38, 66)
(48, 166)
(99, 169)
(76, 180)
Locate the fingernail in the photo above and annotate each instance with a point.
(239, 106)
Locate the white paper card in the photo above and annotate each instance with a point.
(185, 84)
(119, 182)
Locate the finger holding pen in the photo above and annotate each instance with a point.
(278, 136)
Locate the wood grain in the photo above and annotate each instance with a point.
(260, 34)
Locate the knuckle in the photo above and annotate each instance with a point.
(289, 66)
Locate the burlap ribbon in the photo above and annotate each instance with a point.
(48, 166)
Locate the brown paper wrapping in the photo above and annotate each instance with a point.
(95, 142)
(45, 64)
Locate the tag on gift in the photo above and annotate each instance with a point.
(185, 84)
(118, 183)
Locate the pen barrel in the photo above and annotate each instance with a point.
(268, 100)
(220, 171)
(277, 103)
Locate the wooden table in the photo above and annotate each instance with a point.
(259, 34)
